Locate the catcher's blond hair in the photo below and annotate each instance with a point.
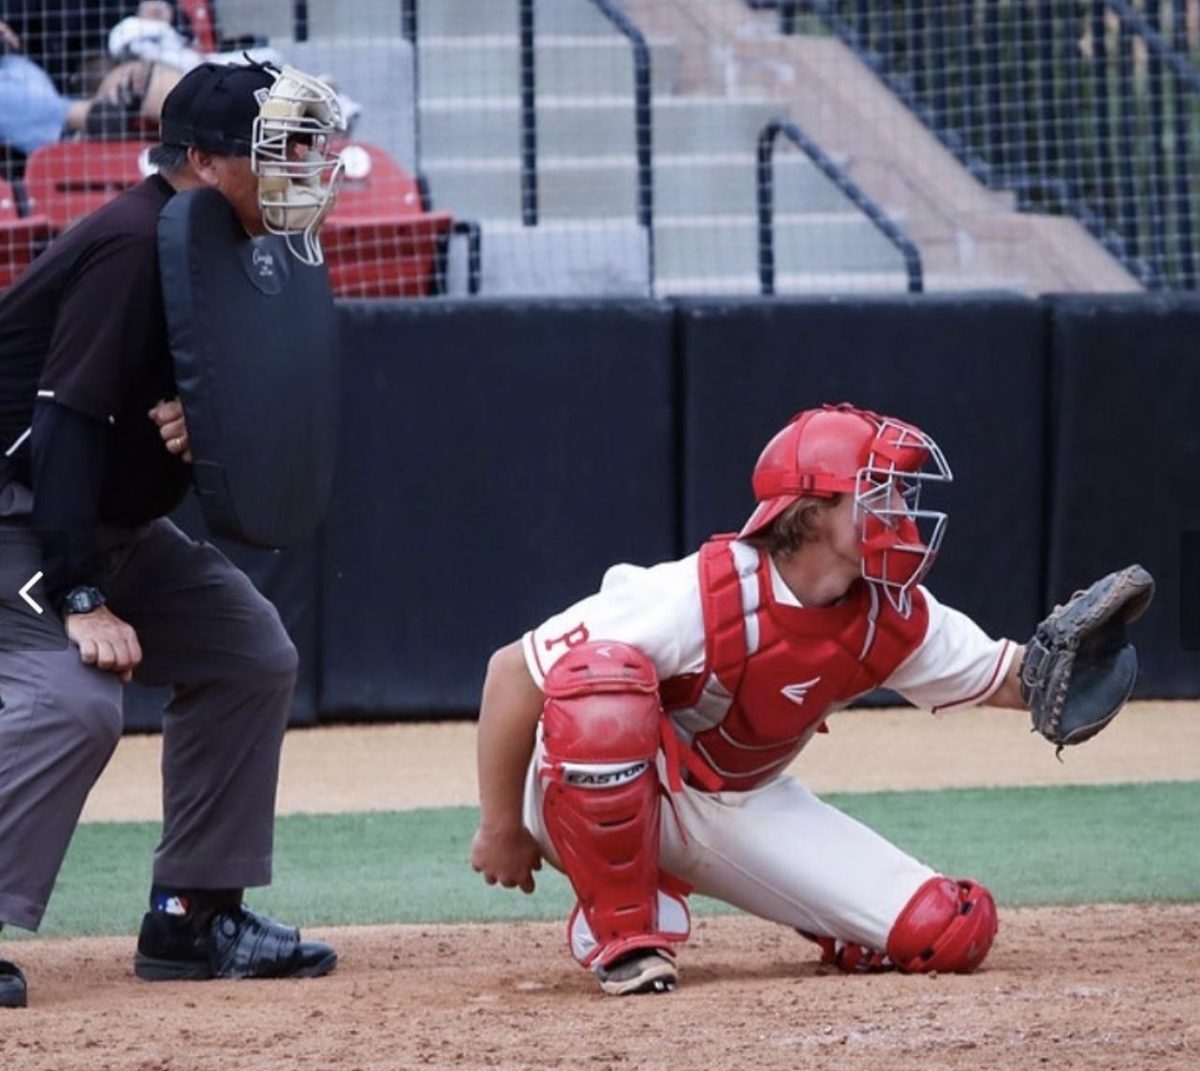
(794, 527)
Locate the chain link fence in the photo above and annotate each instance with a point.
(664, 147)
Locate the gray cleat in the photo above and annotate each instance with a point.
(646, 970)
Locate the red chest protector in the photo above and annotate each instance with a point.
(773, 672)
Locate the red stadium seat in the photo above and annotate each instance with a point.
(20, 239)
(67, 180)
(378, 240)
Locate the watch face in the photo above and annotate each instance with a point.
(83, 600)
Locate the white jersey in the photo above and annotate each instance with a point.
(658, 611)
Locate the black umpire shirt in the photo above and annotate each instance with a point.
(83, 357)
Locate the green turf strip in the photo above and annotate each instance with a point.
(1030, 846)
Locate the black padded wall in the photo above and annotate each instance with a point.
(1126, 447)
(969, 371)
(496, 458)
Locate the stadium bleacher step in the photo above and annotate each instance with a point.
(491, 126)
(809, 242)
(571, 187)
(378, 74)
(727, 184)
(596, 257)
(591, 187)
(382, 18)
(747, 284)
(465, 67)
(473, 17)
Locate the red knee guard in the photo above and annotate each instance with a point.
(601, 809)
(947, 925)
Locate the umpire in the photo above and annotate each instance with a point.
(93, 454)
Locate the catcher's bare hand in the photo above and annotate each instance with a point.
(172, 427)
(506, 856)
(105, 641)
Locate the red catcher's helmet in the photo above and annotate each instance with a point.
(839, 449)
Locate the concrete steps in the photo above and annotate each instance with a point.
(381, 18)
(470, 18)
(578, 257)
(587, 187)
(490, 126)
(704, 158)
(829, 281)
(468, 68)
(805, 243)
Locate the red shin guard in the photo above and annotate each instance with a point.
(602, 805)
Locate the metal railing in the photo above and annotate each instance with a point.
(528, 120)
(1088, 108)
(891, 230)
(527, 33)
(643, 111)
(409, 28)
(643, 114)
(643, 117)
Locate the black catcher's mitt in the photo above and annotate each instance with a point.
(1079, 667)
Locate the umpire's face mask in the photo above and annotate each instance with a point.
(291, 154)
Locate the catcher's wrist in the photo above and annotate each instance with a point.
(500, 825)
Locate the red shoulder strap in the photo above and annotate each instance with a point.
(724, 619)
(724, 627)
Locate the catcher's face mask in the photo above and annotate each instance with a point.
(897, 539)
(883, 463)
(290, 153)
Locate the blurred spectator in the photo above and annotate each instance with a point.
(32, 111)
(150, 36)
(59, 35)
(151, 55)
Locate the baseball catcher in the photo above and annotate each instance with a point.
(639, 739)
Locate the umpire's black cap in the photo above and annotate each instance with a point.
(214, 107)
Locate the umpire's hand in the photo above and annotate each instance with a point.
(105, 641)
(172, 427)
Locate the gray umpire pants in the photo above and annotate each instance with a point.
(204, 630)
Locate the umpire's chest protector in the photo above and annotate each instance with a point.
(254, 339)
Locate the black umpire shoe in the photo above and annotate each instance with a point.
(12, 986)
(233, 942)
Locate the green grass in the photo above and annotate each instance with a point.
(1122, 843)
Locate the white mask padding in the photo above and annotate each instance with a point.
(297, 191)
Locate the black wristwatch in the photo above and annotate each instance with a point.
(82, 599)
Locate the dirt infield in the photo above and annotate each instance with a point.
(1103, 988)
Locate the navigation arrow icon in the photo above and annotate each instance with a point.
(24, 592)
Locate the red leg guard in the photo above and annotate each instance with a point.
(601, 809)
(947, 926)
